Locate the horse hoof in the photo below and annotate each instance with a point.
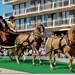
(54, 65)
(24, 60)
(34, 65)
(72, 71)
(68, 67)
(18, 62)
(41, 64)
(52, 68)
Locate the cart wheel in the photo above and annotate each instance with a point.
(11, 53)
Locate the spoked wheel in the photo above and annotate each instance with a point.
(12, 53)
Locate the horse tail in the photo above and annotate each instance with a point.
(48, 44)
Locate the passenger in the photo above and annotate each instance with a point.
(3, 31)
(12, 24)
(12, 29)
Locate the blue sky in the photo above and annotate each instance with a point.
(4, 8)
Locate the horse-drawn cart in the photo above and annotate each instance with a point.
(27, 41)
(10, 51)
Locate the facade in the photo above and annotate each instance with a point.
(56, 15)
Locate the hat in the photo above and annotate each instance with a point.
(1, 17)
(11, 17)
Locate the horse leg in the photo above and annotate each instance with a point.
(33, 60)
(50, 59)
(24, 56)
(71, 60)
(16, 56)
(40, 62)
(53, 54)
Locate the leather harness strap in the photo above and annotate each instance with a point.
(68, 42)
(29, 43)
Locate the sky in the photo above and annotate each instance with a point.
(4, 8)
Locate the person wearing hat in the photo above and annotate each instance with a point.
(12, 29)
(3, 30)
(12, 24)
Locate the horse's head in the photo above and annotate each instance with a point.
(74, 31)
(40, 27)
(71, 34)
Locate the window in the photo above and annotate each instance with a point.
(45, 1)
(55, 16)
(74, 1)
(44, 19)
(17, 23)
(22, 8)
(28, 20)
(21, 5)
(16, 7)
(65, 14)
(66, 2)
(42, 2)
(74, 13)
(22, 24)
(27, 4)
(36, 19)
(74, 17)
(35, 3)
(54, 0)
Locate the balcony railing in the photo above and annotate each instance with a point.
(13, 1)
(7, 1)
(45, 7)
(8, 14)
(48, 24)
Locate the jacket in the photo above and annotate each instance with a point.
(1, 26)
(12, 26)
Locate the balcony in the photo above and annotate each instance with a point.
(7, 1)
(14, 1)
(49, 25)
(7, 15)
(45, 8)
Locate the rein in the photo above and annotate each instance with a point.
(34, 40)
(38, 34)
(68, 42)
(61, 47)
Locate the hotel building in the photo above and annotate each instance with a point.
(56, 15)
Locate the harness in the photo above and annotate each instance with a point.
(28, 41)
(61, 47)
(68, 42)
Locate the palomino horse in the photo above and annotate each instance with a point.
(30, 41)
(64, 44)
